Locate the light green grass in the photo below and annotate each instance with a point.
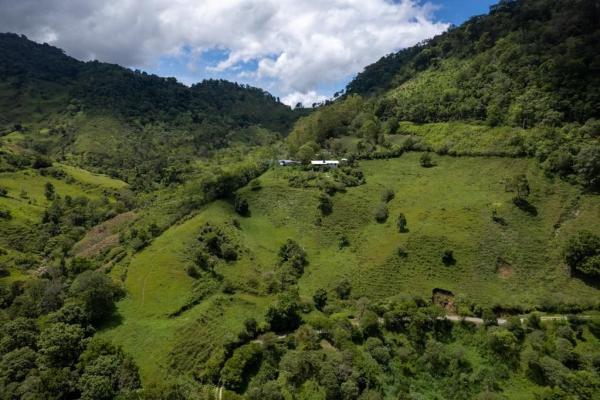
(91, 178)
(448, 206)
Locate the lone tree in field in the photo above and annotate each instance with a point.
(49, 191)
(325, 204)
(241, 206)
(448, 257)
(520, 185)
(426, 160)
(402, 223)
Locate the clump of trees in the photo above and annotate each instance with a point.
(582, 254)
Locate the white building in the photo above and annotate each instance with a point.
(325, 163)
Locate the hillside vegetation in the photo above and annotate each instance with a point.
(152, 248)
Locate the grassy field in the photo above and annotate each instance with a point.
(26, 201)
(448, 206)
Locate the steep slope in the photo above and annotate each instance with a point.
(527, 62)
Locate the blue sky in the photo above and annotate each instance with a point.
(299, 50)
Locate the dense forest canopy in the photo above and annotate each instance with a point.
(527, 62)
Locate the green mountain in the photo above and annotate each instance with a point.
(150, 248)
(122, 122)
(525, 63)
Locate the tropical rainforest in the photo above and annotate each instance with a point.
(152, 247)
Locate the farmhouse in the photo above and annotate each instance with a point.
(325, 163)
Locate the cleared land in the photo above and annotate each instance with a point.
(448, 206)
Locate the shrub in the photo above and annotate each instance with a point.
(241, 206)
(401, 251)
(235, 370)
(192, 271)
(401, 223)
(448, 257)
(343, 289)
(229, 252)
(3, 192)
(426, 160)
(49, 191)
(5, 214)
(320, 299)
(582, 253)
(382, 213)
(325, 204)
(343, 241)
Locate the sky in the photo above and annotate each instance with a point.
(299, 50)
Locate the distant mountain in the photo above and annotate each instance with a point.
(115, 119)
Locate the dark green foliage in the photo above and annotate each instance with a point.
(241, 206)
(5, 214)
(325, 204)
(426, 160)
(369, 323)
(448, 257)
(343, 241)
(3, 192)
(98, 292)
(582, 253)
(528, 62)
(587, 165)
(291, 254)
(284, 315)
(320, 299)
(20, 332)
(343, 289)
(520, 185)
(401, 223)
(49, 191)
(61, 344)
(382, 213)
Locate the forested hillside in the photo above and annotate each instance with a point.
(151, 247)
(525, 63)
(126, 123)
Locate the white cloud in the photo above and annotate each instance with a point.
(307, 99)
(297, 44)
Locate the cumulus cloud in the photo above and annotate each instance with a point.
(307, 99)
(296, 45)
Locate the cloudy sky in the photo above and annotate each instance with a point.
(299, 50)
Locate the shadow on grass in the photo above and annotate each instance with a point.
(526, 206)
(111, 322)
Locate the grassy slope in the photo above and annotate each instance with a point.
(28, 210)
(448, 206)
